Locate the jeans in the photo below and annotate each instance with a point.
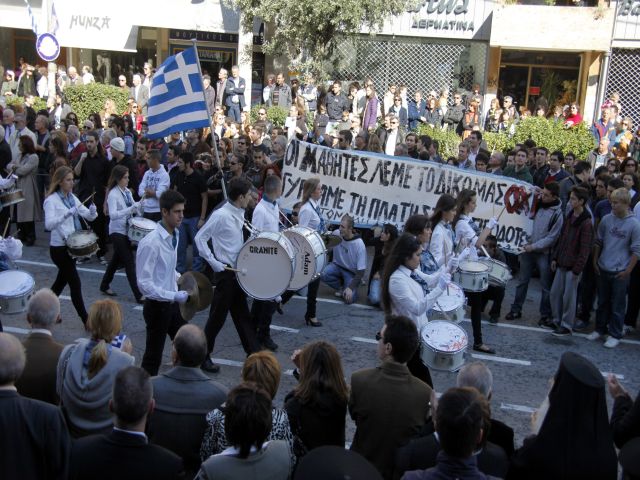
(375, 291)
(233, 111)
(338, 278)
(527, 261)
(188, 230)
(612, 303)
(564, 293)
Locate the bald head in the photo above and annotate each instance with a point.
(189, 346)
(478, 376)
(43, 309)
(12, 359)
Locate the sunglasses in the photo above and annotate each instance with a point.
(262, 113)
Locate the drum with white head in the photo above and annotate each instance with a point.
(140, 227)
(82, 243)
(472, 276)
(265, 265)
(16, 288)
(443, 345)
(499, 273)
(311, 255)
(450, 305)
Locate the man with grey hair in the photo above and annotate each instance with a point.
(221, 85)
(8, 116)
(20, 121)
(36, 441)
(139, 94)
(496, 163)
(75, 147)
(38, 379)
(478, 376)
(209, 93)
(184, 395)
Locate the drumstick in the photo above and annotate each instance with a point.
(6, 227)
(485, 251)
(446, 315)
(444, 249)
(242, 270)
(88, 198)
(501, 212)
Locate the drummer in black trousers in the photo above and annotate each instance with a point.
(62, 212)
(225, 230)
(157, 279)
(494, 292)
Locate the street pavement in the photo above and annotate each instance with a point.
(527, 356)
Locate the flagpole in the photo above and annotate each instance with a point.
(213, 133)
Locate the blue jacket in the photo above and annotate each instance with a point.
(416, 110)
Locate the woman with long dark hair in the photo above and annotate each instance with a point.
(121, 209)
(58, 151)
(420, 226)
(62, 212)
(442, 243)
(409, 292)
(383, 247)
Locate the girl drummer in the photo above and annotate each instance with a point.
(409, 292)
(469, 234)
(121, 208)
(62, 212)
(310, 217)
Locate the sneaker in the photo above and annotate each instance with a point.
(561, 332)
(594, 336)
(611, 342)
(103, 261)
(628, 329)
(338, 293)
(580, 325)
(209, 366)
(546, 323)
(513, 315)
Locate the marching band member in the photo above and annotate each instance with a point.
(266, 218)
(157, 279)
(62, 212)
(310, 217)
(409, 292)
(121, 208)
(468, 233)
(224, 228)
(10, 248)
(443, 239)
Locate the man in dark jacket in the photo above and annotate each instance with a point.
(454, 114)
(336, 102)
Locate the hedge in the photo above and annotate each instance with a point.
(546, 133)
(88, 99)
(38, 103)
(276, 115)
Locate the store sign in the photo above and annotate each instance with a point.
(176, 34)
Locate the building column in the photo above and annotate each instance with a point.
(245, 59)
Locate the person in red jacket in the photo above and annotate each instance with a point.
(568, 260)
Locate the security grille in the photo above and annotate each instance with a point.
(623, 73)
(415, 62)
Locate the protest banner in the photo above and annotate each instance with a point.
(376, 189)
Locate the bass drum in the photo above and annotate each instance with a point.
(311, 255)
(266, 264)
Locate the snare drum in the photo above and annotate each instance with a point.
(11, 197)
(450, 305)
(140, 227)
(443, 345)
(472, 276)
(16, 288)
(269, 261)
(311, 255)
(499, 273)
(82, 243)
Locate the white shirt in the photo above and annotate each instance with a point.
(156, 265)
(158, 181)
(266, 216)
(309, 216)
(351, 254)
(224, 228)
(390, 145)
(59, 225)
(119, 213)
(408, 298)
(465, 234)
(441, 244)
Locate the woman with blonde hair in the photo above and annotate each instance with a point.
(87, 369)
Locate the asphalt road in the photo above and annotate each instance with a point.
(527, 356)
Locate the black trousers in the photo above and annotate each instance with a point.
(262, 311)
(587, 290)
(228, 297)
(474, 299)
(418, 369)
(633, 297)
(67, 274)
(162, 319)
(312, 295)
(497, 295)
(155, 216)
(122, 255)
(99, 227)
(28, 230)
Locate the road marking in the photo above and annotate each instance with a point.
(284, 329)
(494, 358)
(338, 302)
(64, 297)
(80, 269)
(517, 408)
(22, 331)
(364, 340)
(235, 363)
(617, 375)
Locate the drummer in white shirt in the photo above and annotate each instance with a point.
(443, 239)
(470, 235)
(266, 218)
(409, 292)
(154, 182)
(224, 228)
(157, 280)
(62, 212)
(121, 209)
(310, 217)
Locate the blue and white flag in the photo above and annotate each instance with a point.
(176, 100)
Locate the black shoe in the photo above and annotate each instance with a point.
(544, 322)
(279, 308)
(493, 319)
(580, 325)
(108, 291)
(561, 332)
(269, 344)
(141, 300)
(311, 323)
(484, 349)
(513, 315)
(209, 366)
(29, 242)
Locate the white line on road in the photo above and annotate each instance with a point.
(338, 302)
(235, 363)
(284, 329)
(364, 340)
(617, 375)
(80, 269)
(494, 358)
(517, 408)
(21, 331)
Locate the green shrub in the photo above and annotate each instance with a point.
(276, 115)
(38, 103)
(88, 99)
(546, 133)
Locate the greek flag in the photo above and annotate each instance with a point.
(176, 100)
